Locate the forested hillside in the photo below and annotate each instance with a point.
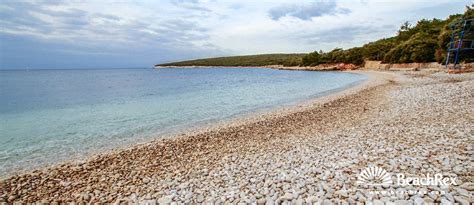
(250, 60)
(426, 41)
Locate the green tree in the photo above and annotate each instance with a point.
(425, 41)
(312, 58)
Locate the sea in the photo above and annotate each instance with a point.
(50, 116)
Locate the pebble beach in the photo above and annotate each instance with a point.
(413, 123)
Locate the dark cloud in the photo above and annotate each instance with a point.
(307, 11)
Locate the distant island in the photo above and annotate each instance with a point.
(247, 60)
(427, 41)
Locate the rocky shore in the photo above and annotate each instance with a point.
(411, 123)
(322, 67)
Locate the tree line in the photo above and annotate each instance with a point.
(426, 41)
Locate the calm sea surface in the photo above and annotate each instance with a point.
(51, 115)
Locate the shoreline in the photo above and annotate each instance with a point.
(205, 126)
(189, 161)
(329, 67)
(373, 79)
(279, 110)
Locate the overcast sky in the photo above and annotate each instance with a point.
(120, 33)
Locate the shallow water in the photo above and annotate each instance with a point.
(51, 115)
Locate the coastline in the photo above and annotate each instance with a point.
(326, 67)
(177, 131)
(373, 79)
(188, 161)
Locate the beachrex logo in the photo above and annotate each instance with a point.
(376, 176)
(428, 180)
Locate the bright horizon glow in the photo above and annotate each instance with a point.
(118, 34)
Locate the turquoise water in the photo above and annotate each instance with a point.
(51, 115)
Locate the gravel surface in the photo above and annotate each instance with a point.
(411, 123)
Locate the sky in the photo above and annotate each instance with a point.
(127, 34)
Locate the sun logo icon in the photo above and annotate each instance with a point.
(374, 176)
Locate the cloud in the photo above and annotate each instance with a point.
(191, 5)
(126, 33)
(341, 34)
(343, 37)
(49, 33)
(307, 11)
(78, 25)
(28, 52)
(39, 20)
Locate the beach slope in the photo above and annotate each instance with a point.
(406, 122)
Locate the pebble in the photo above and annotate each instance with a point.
(458, 169)
(200, 198)
(402, 202)
(463, 192)
(165, 200)
(314, 155)
(261, 201)
(287, 197)
(418, 201)
(327, 202)
(445, 202)
(461, 200)
(377, 202)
